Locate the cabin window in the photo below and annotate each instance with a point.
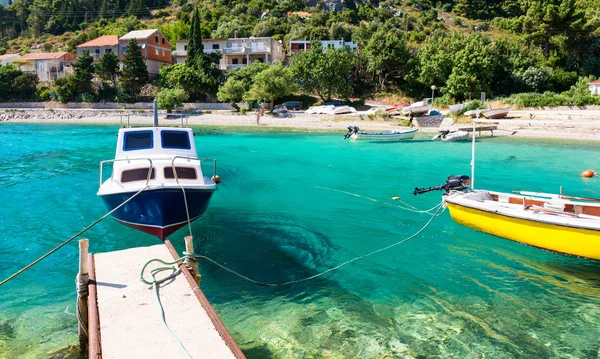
(156, 38)
(138, 174)
(215, 46)
(138, 140)
(163, 40)
(175, 139)
(182, 172)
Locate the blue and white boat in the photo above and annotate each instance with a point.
(162, 163)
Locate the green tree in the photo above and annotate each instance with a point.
(272, 83)
(387, 57)
(195, 82)
(169, 98)
(83, 73)
(135, 72)
(108, 68)
(326, 74)
(195, 50)
(232, 91)
(15, 84)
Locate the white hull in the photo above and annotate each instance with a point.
(455, 109)
(452, 136)
(386, 135)
(499, 113)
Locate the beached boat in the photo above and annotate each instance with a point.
(564, 224)
(448, 136)
(162, 163)
(456, 109)
(340, 110)
(418, 107)
(407, 134)
(317, 110)
(495, 114)
(473, 113)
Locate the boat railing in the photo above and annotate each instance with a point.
(214, 166)
(126, 159)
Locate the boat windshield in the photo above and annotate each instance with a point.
(137, 140)
(175, 139)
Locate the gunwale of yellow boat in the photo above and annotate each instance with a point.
(564, 239)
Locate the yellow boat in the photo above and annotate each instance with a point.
(552, 222)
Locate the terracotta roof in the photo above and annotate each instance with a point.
(597, 82)
(44, 56)
(108, 40)
(8, 56)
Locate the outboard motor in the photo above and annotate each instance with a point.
(350, 131)
(453, 183)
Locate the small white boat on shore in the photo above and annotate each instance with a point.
(340, 110)
(499, 113)
(456, 109)
(355, 134)
(448, 136)
(418, 107)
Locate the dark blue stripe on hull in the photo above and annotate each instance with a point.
(158, 208)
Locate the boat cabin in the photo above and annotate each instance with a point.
(142, 142)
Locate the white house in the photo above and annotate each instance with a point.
(304, 45)
(236, 52)
(100, 46)
(594, 87)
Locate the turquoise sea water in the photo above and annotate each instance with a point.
(451, 292)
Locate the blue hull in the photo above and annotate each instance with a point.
(158, 212)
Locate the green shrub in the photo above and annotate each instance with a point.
(162, 13)
(45, 94)
(169, 98)
(89, 97)
(457, 21)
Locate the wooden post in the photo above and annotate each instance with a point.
(191, 263)
(94, 347)
(83, 278)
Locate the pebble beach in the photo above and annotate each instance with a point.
(575, 124)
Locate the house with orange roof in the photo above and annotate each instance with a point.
(8, 58)
(156, 49)
(594, 87)
(100, 46)
(48, 66)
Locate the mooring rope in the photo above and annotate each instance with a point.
(70, 239)
(411, 209)
(440, 209)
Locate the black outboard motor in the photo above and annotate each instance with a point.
(453, 183)
(351, 130)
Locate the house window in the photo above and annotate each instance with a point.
(215, 46)
(156, 38)
(244, 61)
(97, 51)
(164, 52)
(156, 51)
(108, 51)
(234, 61)
(185, 47)
(163, 40)
(124, 50)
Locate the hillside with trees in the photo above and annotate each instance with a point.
(547, 49)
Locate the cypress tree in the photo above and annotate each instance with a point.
(135, 72)
(83, 73)
(195, 51)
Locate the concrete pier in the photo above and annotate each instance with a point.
(129, 317)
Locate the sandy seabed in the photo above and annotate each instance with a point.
(553, 124)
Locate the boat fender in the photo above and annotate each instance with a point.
(216, 179)
(588, 173)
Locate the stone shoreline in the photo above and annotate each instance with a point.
(574, 124)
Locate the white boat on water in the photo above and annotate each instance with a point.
(355, 134)
(448, 136)
(418, 107)
(499, 113)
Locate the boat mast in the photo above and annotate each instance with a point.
(155, 109)
(473, 156)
